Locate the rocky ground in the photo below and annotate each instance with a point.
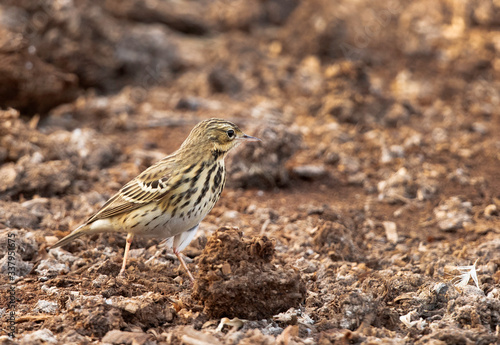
(369, 214)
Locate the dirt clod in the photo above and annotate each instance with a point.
(254, 288)
(264, 165)
(338, 241)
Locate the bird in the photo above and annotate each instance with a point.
(170, 198)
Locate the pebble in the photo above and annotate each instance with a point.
(452, 214)
(48, 307)
(42, 336)
(51, 267)
(480, 127)
(229, 216)
(50, 290)
(393, 189)
(251, 208)
(357, 179)
(391, 231)
(63, 256)
(190, 336)
(100, 281)
(116, 337)
(8, 176)
(310, 172)
(490, 211)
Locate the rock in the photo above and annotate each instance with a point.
(42, 336)
(309, 75)
(310, 172)
(190, 336)
(358, 178)
(229, 216)
(453, 214)
(63, 256)
(43, 306)
(402, 187)
(72, 337)
(390, 153)
(391, 231)
(349, 164)
(8, 176)
(51, 268)
(480, 127)
(116, 337)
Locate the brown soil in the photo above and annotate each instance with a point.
(378, 174)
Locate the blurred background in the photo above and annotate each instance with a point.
(184, 54)
(378, 170)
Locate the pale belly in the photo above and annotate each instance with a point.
(149, 222)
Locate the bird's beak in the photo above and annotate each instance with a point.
(248, 138)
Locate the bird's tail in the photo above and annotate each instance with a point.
(80, 231)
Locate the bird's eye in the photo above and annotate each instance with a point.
(230, 133)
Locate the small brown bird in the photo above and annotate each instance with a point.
(170, 198)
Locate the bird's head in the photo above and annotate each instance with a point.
(217, 136)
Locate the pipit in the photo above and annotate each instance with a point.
(170, 198)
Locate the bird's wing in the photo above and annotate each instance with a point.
(149, 186)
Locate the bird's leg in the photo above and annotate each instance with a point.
(130, 237)
(183, 263)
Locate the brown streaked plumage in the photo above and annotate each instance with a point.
(170, 198)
